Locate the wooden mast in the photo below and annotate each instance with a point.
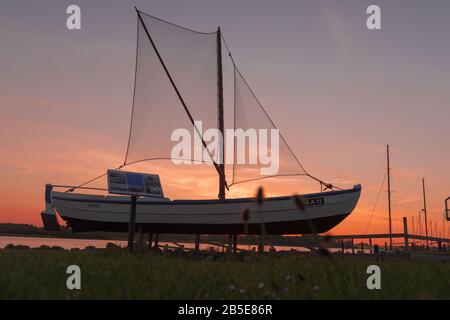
(389, 196)
(425, 209)
(220, 121)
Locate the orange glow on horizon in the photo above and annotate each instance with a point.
(338, 92)
(25, 190)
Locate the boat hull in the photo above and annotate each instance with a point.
(277, 215)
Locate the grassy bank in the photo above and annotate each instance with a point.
(33, 274)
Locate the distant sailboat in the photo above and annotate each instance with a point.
(168, 76)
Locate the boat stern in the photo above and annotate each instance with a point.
(48, 216)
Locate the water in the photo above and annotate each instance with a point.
(35, 242)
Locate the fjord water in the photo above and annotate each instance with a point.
(66, 243)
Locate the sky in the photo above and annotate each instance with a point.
(338, 91)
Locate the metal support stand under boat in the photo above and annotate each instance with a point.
(260, 244)
(197, 242)
(230, 243)
(156, 246)
(141, 238)
(131, 224)
(150, 237)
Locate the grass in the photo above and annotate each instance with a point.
(35, 274)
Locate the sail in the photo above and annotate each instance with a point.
(190, 58)
(279, 160)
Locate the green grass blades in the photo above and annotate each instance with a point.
(33, 274)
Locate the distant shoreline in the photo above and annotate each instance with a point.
(27, 230)
(57, 236)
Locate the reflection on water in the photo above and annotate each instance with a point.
(35, 242)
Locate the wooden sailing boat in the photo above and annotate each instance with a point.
(318, 212)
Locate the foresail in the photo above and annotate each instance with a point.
(190, 59)
(277, 159)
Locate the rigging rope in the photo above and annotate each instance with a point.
(322, 183)
(134, 92)
(174, 24)
(400, 185)
(129, 164)
(376, 202)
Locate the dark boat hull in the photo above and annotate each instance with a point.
(318, 225)
(277, 215)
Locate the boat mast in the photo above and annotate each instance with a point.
(220, 121)
(389, 196)
(425, 210)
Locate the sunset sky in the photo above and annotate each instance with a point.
(338, 91)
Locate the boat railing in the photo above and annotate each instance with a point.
(73, 188)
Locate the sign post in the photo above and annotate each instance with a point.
(133, 184)
(132, 223)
